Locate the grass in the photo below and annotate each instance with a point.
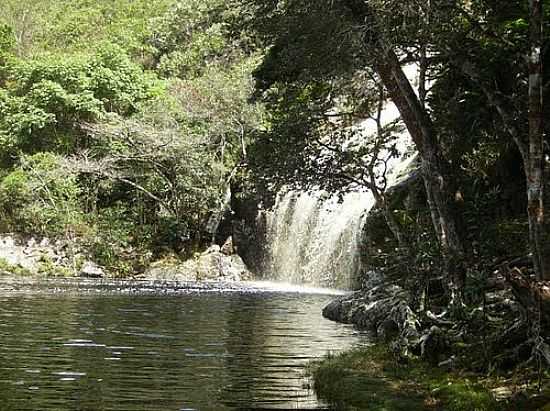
(369, 379)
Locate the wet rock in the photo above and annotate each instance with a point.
(208, 265)
(91, 270)
(214, 265)
(382, 309)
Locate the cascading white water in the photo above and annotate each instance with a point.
(315, 239)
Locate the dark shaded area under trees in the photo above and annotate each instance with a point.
(479, 220)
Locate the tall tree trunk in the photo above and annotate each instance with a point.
(535, 162)
(539, 226)
(420, 127)
(391, 221)
(439, 191)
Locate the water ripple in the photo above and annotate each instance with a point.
(116, 346)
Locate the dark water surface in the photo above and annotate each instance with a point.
(112, 346)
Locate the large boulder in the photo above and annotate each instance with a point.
(172, 271)
(91, 270)
(215, 265)
(382, 309)
(228, 247)
(211, 265)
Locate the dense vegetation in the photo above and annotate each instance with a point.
(120, 122)
(123, 123)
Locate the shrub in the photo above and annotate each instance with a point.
(41, 196)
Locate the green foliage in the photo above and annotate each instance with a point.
(145, 160)
(106, 80)
(74, 25)
(7, 268)
(41, 196)
(48, 268)
(19, 120)
(49, 97)
(98, 150)
(195, 34)
(7, 39)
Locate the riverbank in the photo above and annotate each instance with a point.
(372, 378)
(483, 360)
(31, 257)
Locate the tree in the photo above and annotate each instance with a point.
(353, 30)
(504, 39)
(538, 171)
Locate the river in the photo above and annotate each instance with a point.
(84, 345)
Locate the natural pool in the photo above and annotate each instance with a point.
(84, 345)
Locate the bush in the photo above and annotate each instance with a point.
(50, 96)
(41, 196)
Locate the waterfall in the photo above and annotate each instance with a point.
(315, 238)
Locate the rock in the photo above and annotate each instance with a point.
(341, 309)
(8, 241)
(208, 265)
(433, 344)
(91, 270)
(184, 272)
(214, 248)
(227, 247)
(502, 393)
(215, 266)
(382, 309)
(16, 254)
(387, 330)
(239, 267)
(212, 265)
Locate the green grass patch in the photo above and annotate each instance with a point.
(370, 379)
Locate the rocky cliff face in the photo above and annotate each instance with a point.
(42, 256)
(248, 227)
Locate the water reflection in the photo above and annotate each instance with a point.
(84, 349)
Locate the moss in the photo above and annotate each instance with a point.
(369, 378)
(15, 269)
